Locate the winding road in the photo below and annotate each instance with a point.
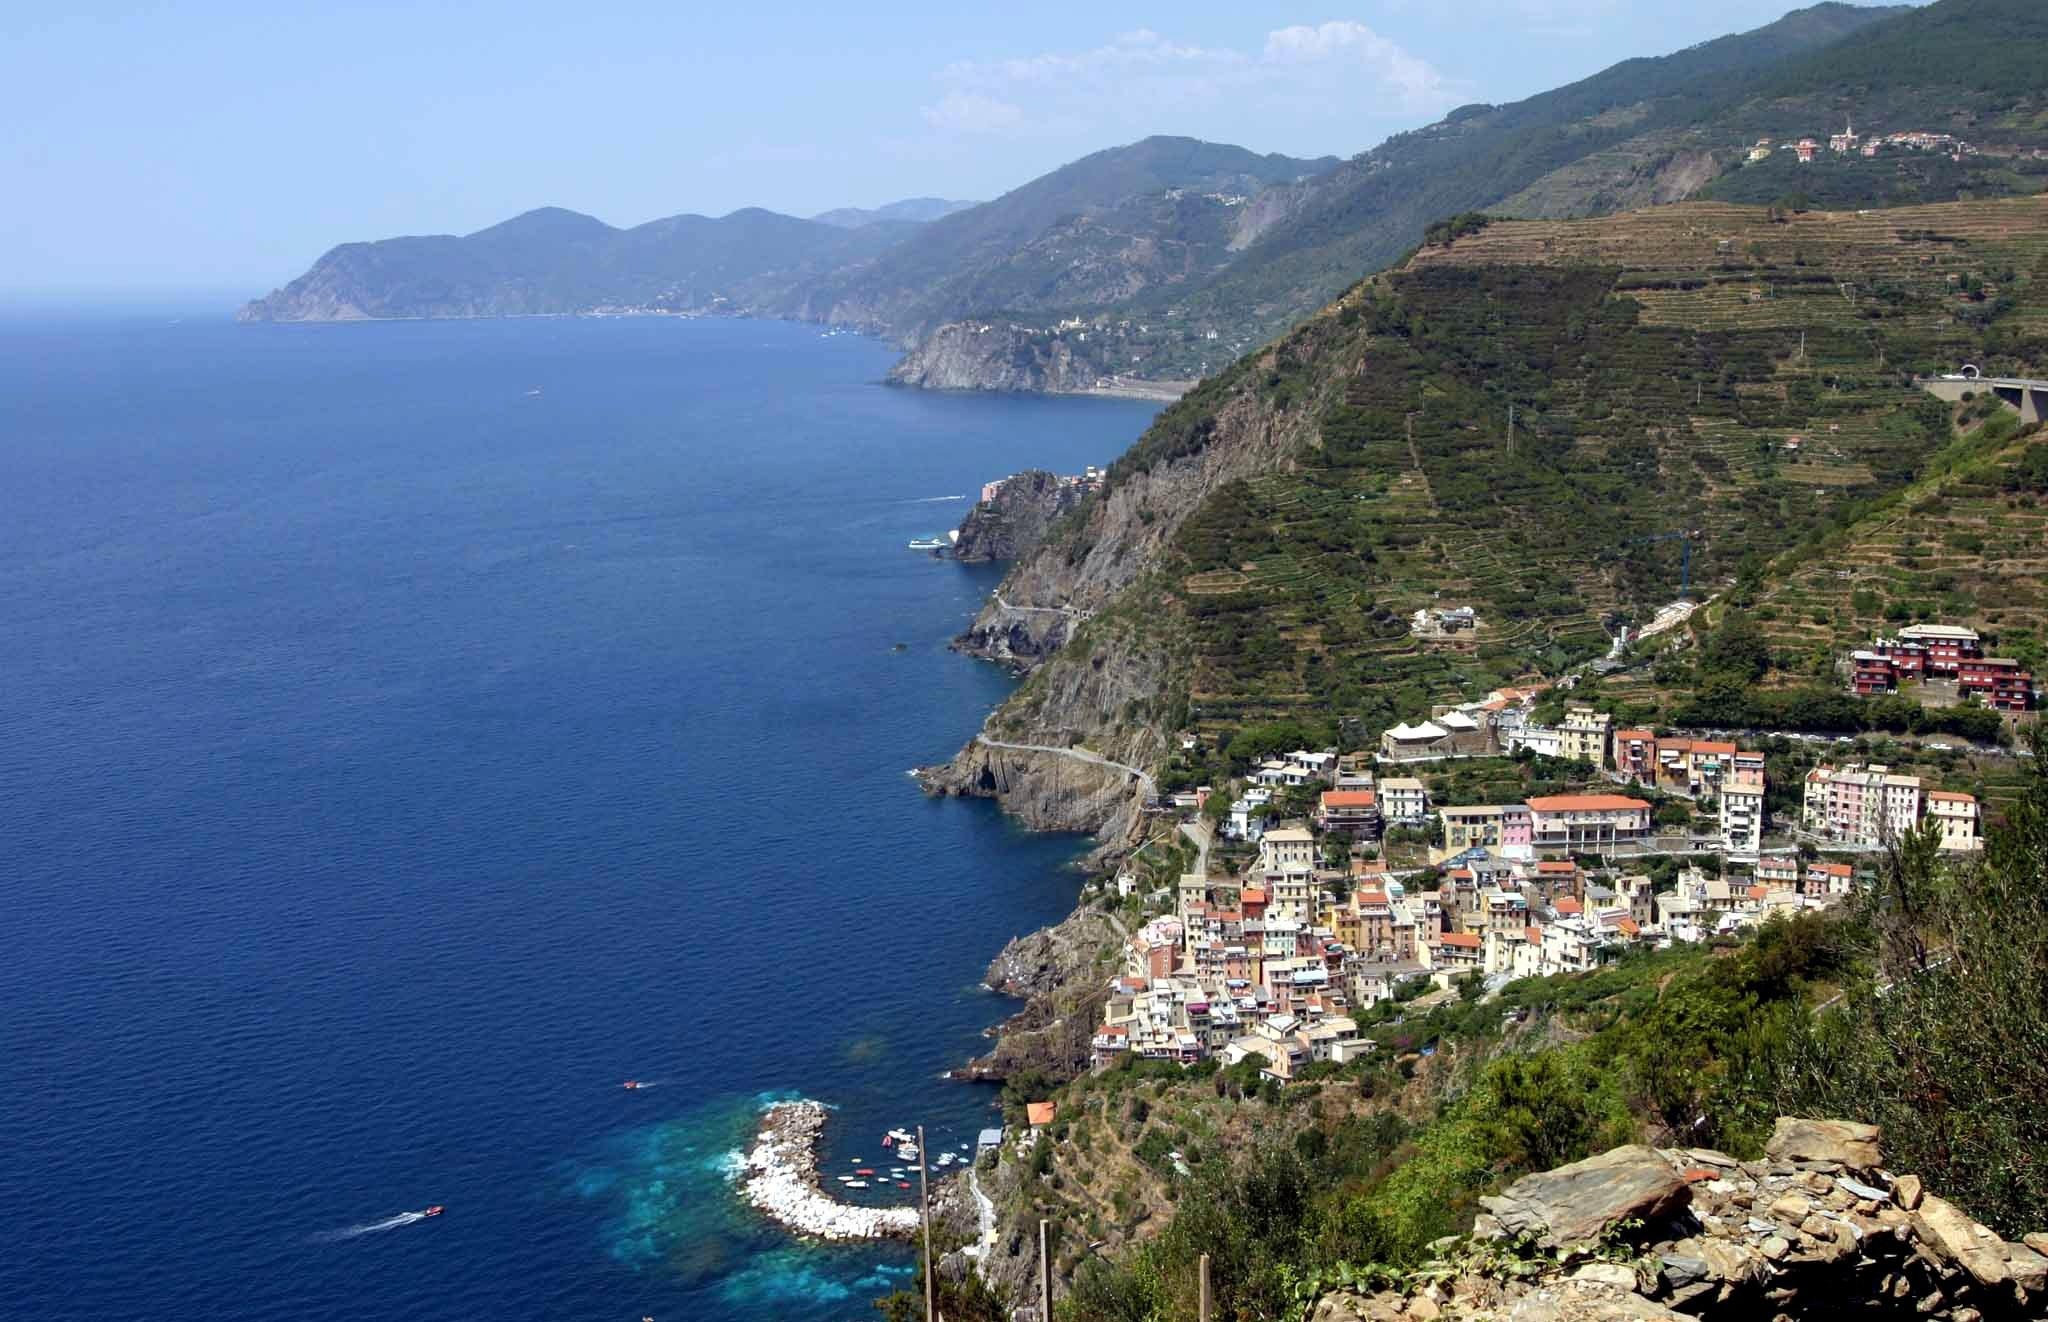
(1079, 754)
(1067, 611)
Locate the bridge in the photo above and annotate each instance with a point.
(2029, 397)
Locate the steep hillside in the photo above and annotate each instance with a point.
(1644, 131)
(553, 261)
(1097, 232)
(1263, 546)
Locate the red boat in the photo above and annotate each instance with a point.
(632, 1084)
(863, 1171)
(435, 1210)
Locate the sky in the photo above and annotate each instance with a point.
(225, 144)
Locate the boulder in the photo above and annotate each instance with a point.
(1575, 1203)
(1906, 1191)
(1840, 1143)
(2027, 1267)
(1942, 1228)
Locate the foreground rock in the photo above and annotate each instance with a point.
(781, 1181)
(1574, 1203)
(1817, 1229)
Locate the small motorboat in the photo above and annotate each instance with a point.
(888, 1139)
(903, 1184)
(435, 1210)
(856, 1184)
(864, 1171)
(631, 1084)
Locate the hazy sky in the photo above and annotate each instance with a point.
(226, 145)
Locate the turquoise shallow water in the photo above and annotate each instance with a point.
(397, 759)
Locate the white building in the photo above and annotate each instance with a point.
(1742, 805)
(1955, 815)
(1403, 801)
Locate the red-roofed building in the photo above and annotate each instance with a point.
(1457, 950)
(1568, 906)
(1356, 812)
(1829, 879)
(1588, 821)
(1635, 754)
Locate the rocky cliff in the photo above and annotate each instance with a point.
(1816, 1229)
(979, 355)
(1015, 522)
(1105, 672)
(1060, 971)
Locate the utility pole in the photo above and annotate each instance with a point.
(924, 1209)
(1511, 429)
(1202, 1302)
(1044, 1272)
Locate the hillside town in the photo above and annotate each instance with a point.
(1281, 958)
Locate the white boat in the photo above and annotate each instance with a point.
(934, 542)
(856, 1184)
(908, 1152)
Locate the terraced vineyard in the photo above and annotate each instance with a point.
(1968, 545)
(1741, 377)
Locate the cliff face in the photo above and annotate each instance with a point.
(1103, 675)
(1015, 522)
(985, 356)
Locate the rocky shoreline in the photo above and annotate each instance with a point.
(781, 1182)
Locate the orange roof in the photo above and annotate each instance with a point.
(1349, 798)
(1708, 746)
(1039, 1113)
(1758, 892)
(1465, 873)
(1556, 865)
(1226, 916)
(1372, 897)
(1115, 1030)
(1831, 869)
(1568, 904)
(1644, 735)
(1630, 926)
(1534, 934)
(1950, 796)
(1253, 895)
(1463, 940)
(1585, 803)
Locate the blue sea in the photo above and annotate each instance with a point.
(411, 731)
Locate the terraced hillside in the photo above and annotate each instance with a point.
(1734, 375)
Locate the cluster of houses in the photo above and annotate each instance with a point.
(1087, 480)
(1850, 142)
(1276, 963)
(1942, 654)
(1868, 804)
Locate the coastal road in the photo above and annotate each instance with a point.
(1067, 611)
(1079, 754)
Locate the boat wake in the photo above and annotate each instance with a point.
(929, 500)
(369, 1228)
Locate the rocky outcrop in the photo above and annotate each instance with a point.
(980, 355)
(1015, 522)
(1050, 958)
(1574, 1203)
(1817, 1229)
(1059, 971)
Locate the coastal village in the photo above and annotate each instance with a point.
(1365, 889)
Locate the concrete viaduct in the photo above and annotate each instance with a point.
(2029, 397)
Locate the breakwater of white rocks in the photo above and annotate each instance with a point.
(781, 1180)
